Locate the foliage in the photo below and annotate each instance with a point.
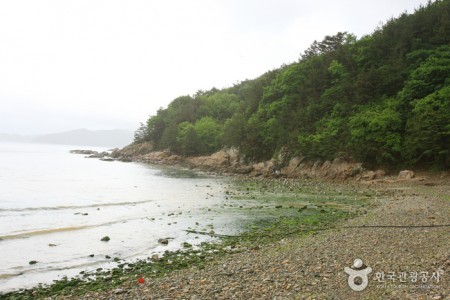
(428, 129)
(209, 132)
(382, 99)
(375, 133)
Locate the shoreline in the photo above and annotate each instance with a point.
(312, 266)
(230, 162)
(179, 265)
(259, 233)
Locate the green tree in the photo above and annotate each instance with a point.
(188, 139)
(428, 130)
(234, 131)
(141, 134)
(375, 133)
(219, 105)
(209, 132)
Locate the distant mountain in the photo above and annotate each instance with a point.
(79, 137)
(84, 137)
(16, 138)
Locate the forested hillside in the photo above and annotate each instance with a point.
(383, 100)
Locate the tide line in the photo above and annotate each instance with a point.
(73, 206)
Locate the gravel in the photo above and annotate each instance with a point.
(312, 267)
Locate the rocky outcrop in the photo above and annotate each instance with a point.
(230, 161)
(263, 168)
(221, 160)
(339, 168)
(99, 155)
(154, 157)
(136, 149)
(85, 152)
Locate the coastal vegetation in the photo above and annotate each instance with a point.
(382, 99)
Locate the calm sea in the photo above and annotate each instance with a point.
(55, 207)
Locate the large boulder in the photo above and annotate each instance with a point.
(219, 159)
(243, 170)
(215, 161)
(405, 175)
(266, 167)
(156, 156)
(315, 170)
(293, 167)
(233, 156)
(370, 175)
(379, 174)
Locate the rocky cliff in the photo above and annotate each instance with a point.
(230, 161)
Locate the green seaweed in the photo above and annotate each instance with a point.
(300, 212)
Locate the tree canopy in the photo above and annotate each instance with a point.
(383, 99)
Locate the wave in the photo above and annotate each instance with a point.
(28, 234)
(6, 276)
(63, 207)
(43, 231)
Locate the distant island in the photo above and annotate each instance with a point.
(80, 137)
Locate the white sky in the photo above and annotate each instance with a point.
(110, 64)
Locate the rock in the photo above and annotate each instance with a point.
(107, 159)
(125, 159)
(98, 155)
(243, 170)
(266, 167)
(294, 163)
(85, 152)
(136, 149)
(115, 153)
(33, 262)
(379, 174)
(405, 175)
(119, 291)
(174, 158)
(156, 156)
(220, 159)
(105, 239)
(163, 241)
(155, 257)
(326, 166)
(315, 169)
(369, 176)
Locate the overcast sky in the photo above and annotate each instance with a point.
(110, 64)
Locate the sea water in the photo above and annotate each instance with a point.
(55, 207)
